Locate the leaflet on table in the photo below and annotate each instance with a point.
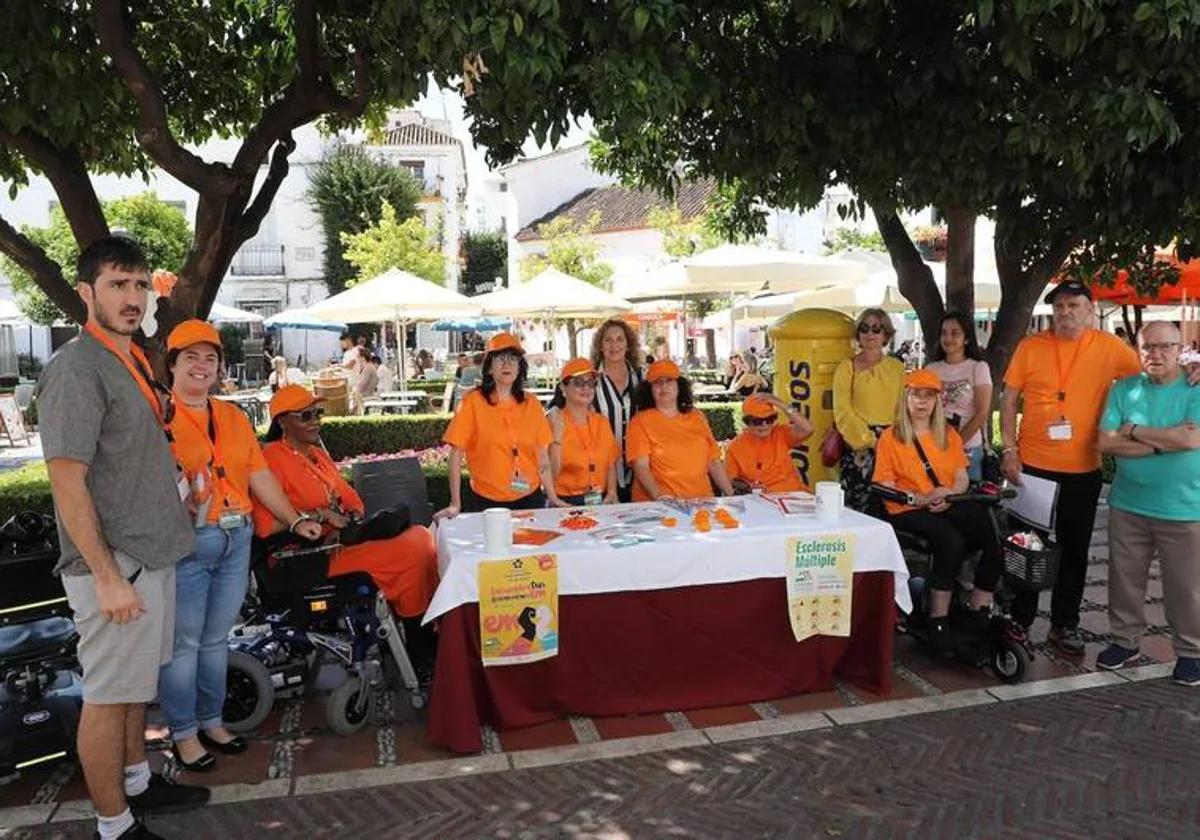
(820, 580)
(518, 609)
(792, 503)
(621, 536)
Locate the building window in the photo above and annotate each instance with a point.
(416, 168)
(504, 186)
(305, 253)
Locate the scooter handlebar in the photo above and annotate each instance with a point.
(985, 497)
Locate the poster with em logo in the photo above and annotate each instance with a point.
(820, 579)
(518, 609)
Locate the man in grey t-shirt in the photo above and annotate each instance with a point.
(122, 527)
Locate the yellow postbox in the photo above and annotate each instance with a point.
(809, 344)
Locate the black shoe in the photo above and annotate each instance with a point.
(234, 746)
(975, 623)
(204, 764)
(1067, 639)
(163, 797)
(137, 831)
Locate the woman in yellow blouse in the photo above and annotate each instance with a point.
(866, 391)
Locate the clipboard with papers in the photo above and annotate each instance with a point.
(1035, 503)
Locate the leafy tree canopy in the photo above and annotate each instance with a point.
(571, 249)
(392, 243)
(159, 228)
(486, 257)
(683, 238)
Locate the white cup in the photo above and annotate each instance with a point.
(497, 530)
(829, 500)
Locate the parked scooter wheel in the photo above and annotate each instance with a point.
(1009, 660)
(249, 693)
(342, 709)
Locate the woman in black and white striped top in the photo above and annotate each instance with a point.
(615, 354)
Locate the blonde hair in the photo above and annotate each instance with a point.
(889, 329)
(903, 429)
(632, 347)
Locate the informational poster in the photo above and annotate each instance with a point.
(820, 578)
(518, 609)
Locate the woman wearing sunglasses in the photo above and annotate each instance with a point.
(584, 453)
(760, 458)
(866, 391)
(669, 444)
(404, 567)
(502, 434)
(216, 447)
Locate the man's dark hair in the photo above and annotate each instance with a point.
(118, 251)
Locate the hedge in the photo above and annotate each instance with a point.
(26, 488)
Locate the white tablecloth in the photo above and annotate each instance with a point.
(678, 556)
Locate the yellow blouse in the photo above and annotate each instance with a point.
(876, 392)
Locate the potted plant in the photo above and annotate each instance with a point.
(931, 242)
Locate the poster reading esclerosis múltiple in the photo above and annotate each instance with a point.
(820, 580)
(518, 609)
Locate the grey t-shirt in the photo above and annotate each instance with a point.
(91, 410)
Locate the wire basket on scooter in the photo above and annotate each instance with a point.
(1031, 568)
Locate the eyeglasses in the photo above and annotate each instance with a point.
(758, 421)
(580, 381)
(874, 329)
(308, 414)
(1159, 346)
(507, 356)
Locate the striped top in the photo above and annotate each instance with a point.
(618, 408)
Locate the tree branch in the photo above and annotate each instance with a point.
(276, 173)
(307, 48)
(913, 277)
(65, 169)
(960, 259)
(45, 271)
(154, 132)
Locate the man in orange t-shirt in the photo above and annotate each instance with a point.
(761, 455)
(1062, 377)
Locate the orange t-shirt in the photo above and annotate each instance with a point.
(1044, 366)
(229, 461)
(588, 451)
(680, 449)
(900, 464)
(309, 483)
(765, 461)
(502, 442)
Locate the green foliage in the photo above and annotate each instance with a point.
(159, 228)
(26, 488)
(347, 437)
(393, 243)
(232, 338)
(571, 249)
(29, 366)
(30, 414)
(486, 256)
(849, 238)
(723, 418)
(348, 188)
(684, 238)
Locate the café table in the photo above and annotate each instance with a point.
(684, 620)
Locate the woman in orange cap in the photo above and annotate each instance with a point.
(922, 455)
(669, 444)
(583, 452)
(215, 444)
(404, 567)
(761, 456)
(502, 434)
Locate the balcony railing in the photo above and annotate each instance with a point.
(258, 261)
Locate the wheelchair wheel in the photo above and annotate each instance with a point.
(1009, 661)
(341, 710)
(249, 693)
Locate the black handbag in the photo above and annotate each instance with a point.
(381, 525)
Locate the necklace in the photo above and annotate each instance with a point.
(202, 404)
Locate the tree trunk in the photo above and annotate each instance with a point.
(573, 336)
(960, 260)
(710, 348)
(913, 276)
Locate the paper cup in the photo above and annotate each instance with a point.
(829, 500)
(497, 530)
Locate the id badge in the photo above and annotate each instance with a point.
(1059, 430)
(230, 521)
(593, 498)
(182, 485)
(520, 485)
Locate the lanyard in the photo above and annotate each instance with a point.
(317, 471)
(1065, 377)
(215, 461)
(139, 368)
(507, 413)
(588, 443)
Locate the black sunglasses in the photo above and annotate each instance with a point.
(308, 414)
(758, 421)
(874, 329)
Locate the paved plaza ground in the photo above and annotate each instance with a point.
(294, 761)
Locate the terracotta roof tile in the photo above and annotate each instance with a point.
(622, 208)
(415, 134)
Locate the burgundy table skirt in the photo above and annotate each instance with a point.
(659, 650)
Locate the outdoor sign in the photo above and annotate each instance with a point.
(518, 609)
(820, 578)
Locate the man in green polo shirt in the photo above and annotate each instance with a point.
(1151, 424)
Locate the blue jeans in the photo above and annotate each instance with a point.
(210, 586)
(975, 463)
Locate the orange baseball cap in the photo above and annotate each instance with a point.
(923, 378)
(663, 369)
(577, 367)
(504, 341)
(292, 398)
(755, 406)
(192, 332)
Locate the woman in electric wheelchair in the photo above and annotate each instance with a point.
(401, 559)
(921, 455)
